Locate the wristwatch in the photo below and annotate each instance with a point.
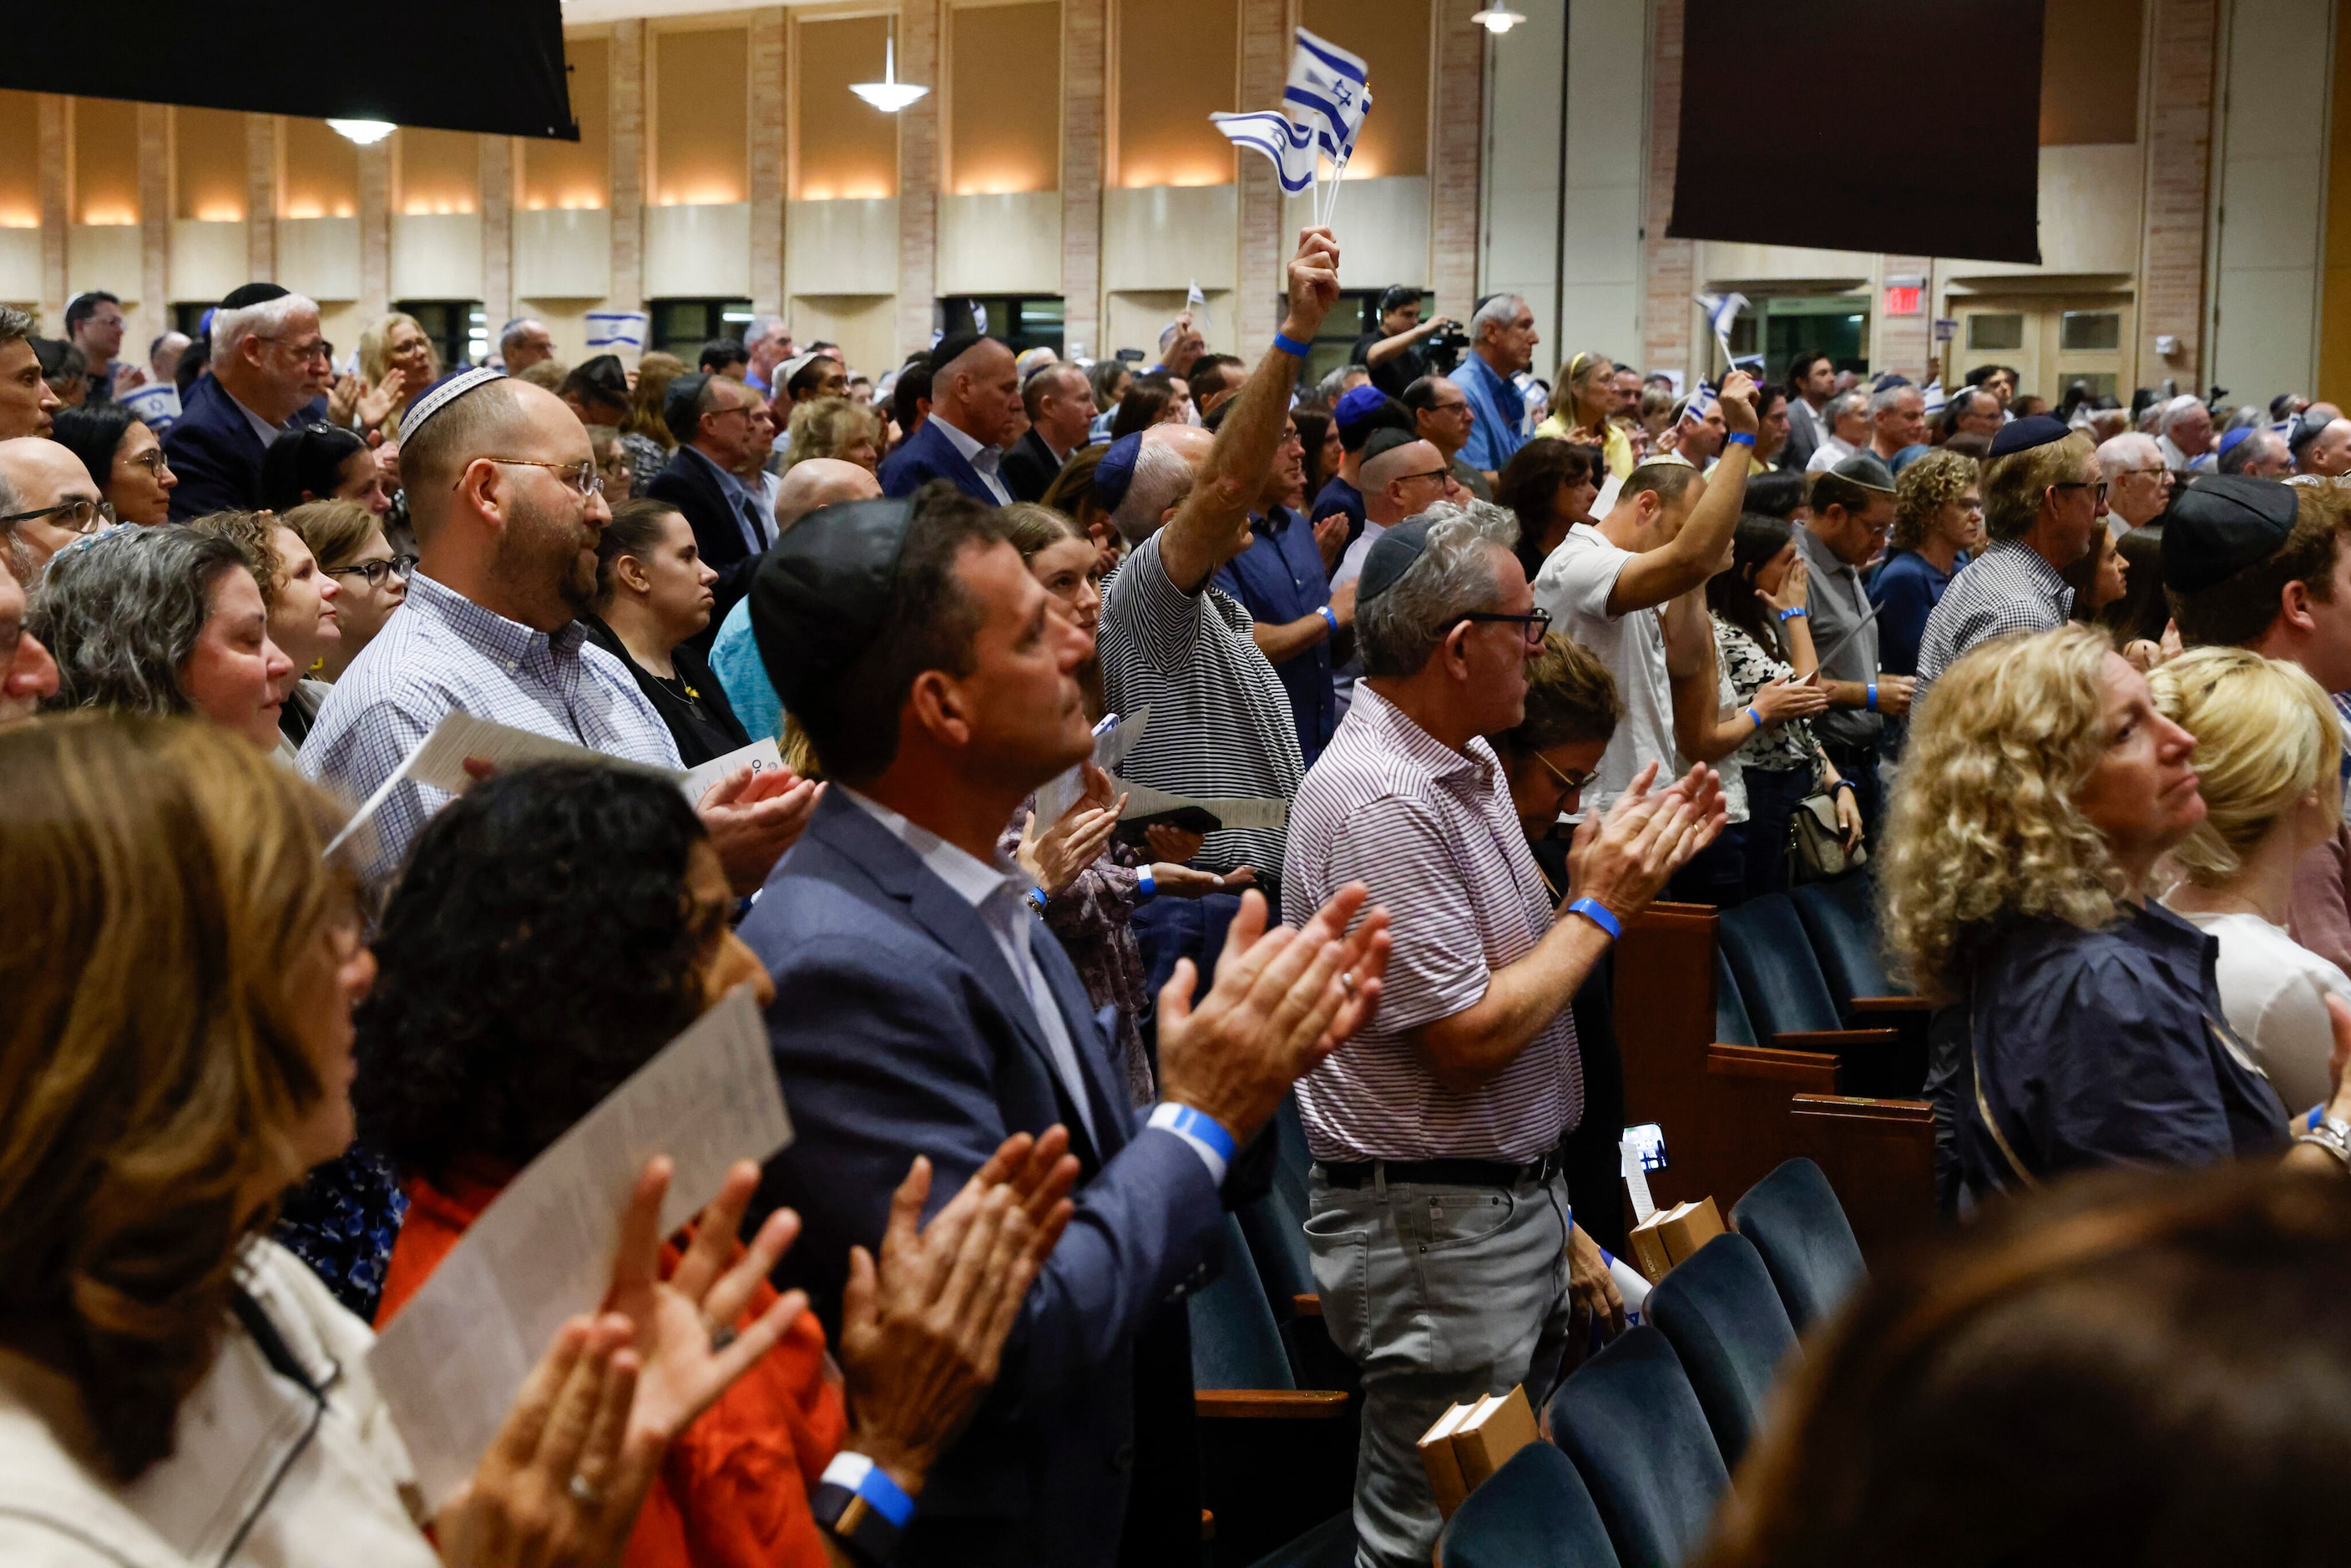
(2333, 1135)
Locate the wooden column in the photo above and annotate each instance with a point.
(154, 312)
(1085, 70)
(1457, 119)
(1670, 266)
(57, 207)
(769, 134)
(261, 158)
(628, 160)
(497, 181)
(1266, 36)
(918, 173)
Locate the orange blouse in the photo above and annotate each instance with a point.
(734, 1492)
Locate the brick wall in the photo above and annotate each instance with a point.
(1669, 265)
(1085, 72)
(2178, 176)
(918, 175)
(1457, 115)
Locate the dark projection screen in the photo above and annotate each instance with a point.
(1827, 123)
(491, 65)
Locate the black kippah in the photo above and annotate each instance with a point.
(824, 590)
(2023, 435)
(1391, 556)
(2221, 525)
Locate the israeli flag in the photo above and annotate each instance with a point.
(1936, 400)
(1701, 404)
(617, 331)
(1328, 92)
(1290, 148)
(1721, 313)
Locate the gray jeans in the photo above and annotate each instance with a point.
(1439, 1295)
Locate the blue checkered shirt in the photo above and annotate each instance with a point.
(441, 650)
(2007, 591)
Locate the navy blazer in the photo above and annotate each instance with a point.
(216, 454)
(928, 455)
(1029, 468)
(898, 1028)
(690, 483)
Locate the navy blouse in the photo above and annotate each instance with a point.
(2076, 1048)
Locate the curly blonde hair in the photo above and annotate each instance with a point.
(2266, 737)
(1923, 489)
(827, 427)
(1983, 828)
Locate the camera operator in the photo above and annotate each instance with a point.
(1407, 347)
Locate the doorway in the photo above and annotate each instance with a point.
(2050, 340)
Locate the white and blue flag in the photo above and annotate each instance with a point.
(1700, 404)
(1328, 93)
(1721, 314)
(1290, 147)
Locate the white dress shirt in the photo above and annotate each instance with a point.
(983, 460)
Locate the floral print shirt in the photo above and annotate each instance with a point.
(1749, 667)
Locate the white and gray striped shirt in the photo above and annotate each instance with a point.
(1220, 722)
(1431, 831)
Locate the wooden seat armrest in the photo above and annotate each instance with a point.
(1306, 1306)
(1274, 1404)
(1835, 1038)
(1891, 1005)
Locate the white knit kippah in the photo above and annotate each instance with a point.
(444, 393)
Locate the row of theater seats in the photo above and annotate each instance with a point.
(1644, 1434)
(1754, 1034)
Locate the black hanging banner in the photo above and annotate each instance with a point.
(452, 64)
(1824, 123)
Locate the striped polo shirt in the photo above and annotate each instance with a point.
(1431, 831)
(1220, 721)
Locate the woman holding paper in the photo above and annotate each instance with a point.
(176, 1041)
(557, 926)
(652, 594)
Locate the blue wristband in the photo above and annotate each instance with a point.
(1845, 784)
(861, 1477)
(1207, 1135)
(1326, 613)
(1145, 884)
(1290, 346)
(1739, 438)
(1869, 699)
(1592, 909)
(1755, 718)
(1795, 612)
(1036, 898)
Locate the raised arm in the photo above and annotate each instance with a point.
(1211, 527)
(1695, 553)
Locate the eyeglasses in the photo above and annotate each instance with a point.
(1461, 407)
(1439, 475)
(581, 477)
(83, 517)
(403, 567)
(1537, 623)
(316, 349)
(2098, 488)
(1569, 783)
(153, 461)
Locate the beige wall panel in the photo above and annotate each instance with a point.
(698, 252)
(103, 256)
(841, 247)
(1163, 237)
(436, 256)
(865, 325)
(20, 266)
(566, 321)
(563, 253)
(208, 260)
(320, 257)
(1134, 319)
(1383, 231)
(1000, 245)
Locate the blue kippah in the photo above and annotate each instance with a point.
(1115, 472)
(2230, 438)
(2023, 435)
(1359, 405)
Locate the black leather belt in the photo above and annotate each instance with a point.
(1441, 1173)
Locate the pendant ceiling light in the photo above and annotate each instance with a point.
(366, 133)
(1497, 18)
(889, 95)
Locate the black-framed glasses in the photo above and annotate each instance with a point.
(2097, 488)
(83, 517)
(316, 348)
(153, 460)
(403, 567)
(581, 477)
(1569, 783)
(1536, 622)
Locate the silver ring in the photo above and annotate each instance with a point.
(584, 1491)
(721, 1337)
(1347, 981)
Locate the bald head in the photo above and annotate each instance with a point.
(1164, 469)
(42, 474)
(489, 421)
(816, 482)
(1401, 481)
(978, 393)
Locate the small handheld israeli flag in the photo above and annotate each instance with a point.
(1936, 400)
(1196, 300)
(1288, 147)
(1721, 313)
(1701, 404)
(1329, 91)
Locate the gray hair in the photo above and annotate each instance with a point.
(1162, 480)
(1454, 576)
(15, 324)
(759, 328)
(511, 339)
(2117, 452)
(1843, 404)
(1497, 311)
(1886, 397)
(120, 614)
(13, 549)
(266, 320)
(1330, 389)
(2178, 406)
